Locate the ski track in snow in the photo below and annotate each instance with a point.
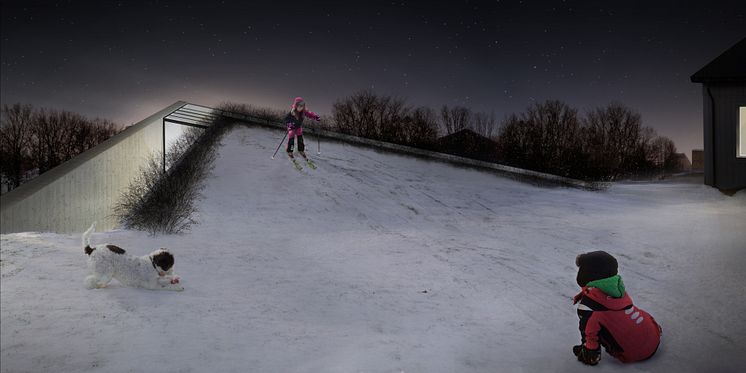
(379, 262)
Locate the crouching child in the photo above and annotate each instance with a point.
(607, 315)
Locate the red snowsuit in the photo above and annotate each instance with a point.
(626, 332)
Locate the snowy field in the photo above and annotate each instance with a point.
(378, 262)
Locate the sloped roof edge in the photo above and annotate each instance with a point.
(729, 66)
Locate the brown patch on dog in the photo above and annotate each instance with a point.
(88, 250)
(164, 260)
(115, 249)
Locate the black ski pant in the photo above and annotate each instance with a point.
(291, 142)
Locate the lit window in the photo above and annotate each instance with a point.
(741, 146)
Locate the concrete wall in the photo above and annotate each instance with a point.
(68, 198)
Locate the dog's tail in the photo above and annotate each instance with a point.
(86, 240)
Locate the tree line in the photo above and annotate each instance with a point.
(603, 143)
(33, 141)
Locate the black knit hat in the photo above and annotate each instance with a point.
(595, 265)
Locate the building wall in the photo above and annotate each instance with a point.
(68, 198)
(728, 171)
(698, 159)
(709, 165)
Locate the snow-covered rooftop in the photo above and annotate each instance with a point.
(379, 262)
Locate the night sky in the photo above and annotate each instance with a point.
(123, 60)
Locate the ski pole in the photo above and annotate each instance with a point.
(318, 143)
(278, 146)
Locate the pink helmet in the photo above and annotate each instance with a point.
(296, 101)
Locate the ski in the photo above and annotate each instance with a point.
(296, 164)
(308, 161)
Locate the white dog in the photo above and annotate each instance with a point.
(153, 271)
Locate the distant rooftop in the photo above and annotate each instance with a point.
(727, 67)
(464, 133)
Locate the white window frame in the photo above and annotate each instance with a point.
(741, 133)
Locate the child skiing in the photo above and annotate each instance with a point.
(607, 316)
(294, 123)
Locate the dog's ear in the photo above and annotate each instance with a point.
(164, 260)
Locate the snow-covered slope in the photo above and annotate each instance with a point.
(378, 262)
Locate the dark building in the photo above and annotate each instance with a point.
(682, 163)
(469, 144)
(698, 160)
(724, 90)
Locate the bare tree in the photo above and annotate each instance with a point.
(420, 128)
(485, 124)
(42, 139)
(103, 129)
(390, 115)
(47, 139)
(15, 134)
(75, 130)
(609, 142)
(254, 111)
(366, 114)
(455, 119)
(544, 137)
(662, 153)
(61, 135)
(513, 140)
(613, 134)
(670, 161)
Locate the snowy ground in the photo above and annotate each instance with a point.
(378, 262)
